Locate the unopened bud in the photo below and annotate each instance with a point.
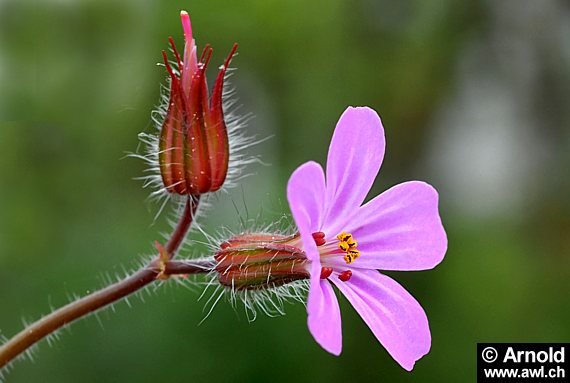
(257, 261)
(194, 148)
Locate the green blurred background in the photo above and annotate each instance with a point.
(474, 97)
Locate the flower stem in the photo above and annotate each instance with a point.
(108, 295)
(194, 266)
(183, 225)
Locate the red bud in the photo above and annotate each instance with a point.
(194, 148)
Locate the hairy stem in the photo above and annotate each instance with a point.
(183, 225)
(189, 267)
(108, 295)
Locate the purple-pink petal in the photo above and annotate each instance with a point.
(355, 155)
(394, 316)
(324, 313)
(400, 229)
(305, 191)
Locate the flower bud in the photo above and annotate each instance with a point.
(258, 261)
(193, 145)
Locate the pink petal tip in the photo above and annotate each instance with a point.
(185, 17)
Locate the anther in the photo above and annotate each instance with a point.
(353, 253)
(345, 275)
(319, 238)
(347, 244)
(344, 237)
(326, 272)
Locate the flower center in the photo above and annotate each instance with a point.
(348, 245)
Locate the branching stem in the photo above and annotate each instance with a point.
(110, 294)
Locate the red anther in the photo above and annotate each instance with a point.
(345, 275)
(319, 238)
(326, 272)
(320, 241)
(225, 245)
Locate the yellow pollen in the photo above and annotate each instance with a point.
(348, 245)
(354, 253)
(344, 237)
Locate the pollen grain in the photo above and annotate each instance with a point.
(348, 245)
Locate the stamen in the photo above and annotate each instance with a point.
(348, 245)
(326, 272)
(353, 254)
(319, 238)
(344, 237)
(345, 275)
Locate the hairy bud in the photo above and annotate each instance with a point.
(193, 145)
(258, 261)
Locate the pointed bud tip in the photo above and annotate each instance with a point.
(185, 18)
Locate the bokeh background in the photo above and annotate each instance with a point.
(474, 97)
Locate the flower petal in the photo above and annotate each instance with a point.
(394, 316)
(324, 313)
(400, 229)
(305, 191)
(355, 155)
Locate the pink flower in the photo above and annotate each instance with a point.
(347, 242)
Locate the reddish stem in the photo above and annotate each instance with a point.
(111, 294)
(183, 225)
(190, 267)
